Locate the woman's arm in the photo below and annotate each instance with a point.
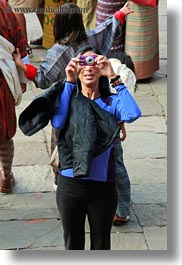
(59, 118)
(60, 115)
(127, 109)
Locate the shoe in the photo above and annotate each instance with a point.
(120, 220)
(37, 42)
(6, 185)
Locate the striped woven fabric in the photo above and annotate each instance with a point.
(142, 40)
(106, 9)
(6, 157)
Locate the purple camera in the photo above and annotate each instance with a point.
(87, 60)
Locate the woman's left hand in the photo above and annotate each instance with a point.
(105, 67)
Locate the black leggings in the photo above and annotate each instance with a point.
(77, 198)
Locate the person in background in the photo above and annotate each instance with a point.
(12, 85)
(19, 8)
(142, 39)
(89, 16)
(88, 188)
(106, 8)
(40, 15)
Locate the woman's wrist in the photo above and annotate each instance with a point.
(116, 81)
(112, 76)
(70, 80)
(115, 78)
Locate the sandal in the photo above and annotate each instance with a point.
(118, 221)
(6, 185)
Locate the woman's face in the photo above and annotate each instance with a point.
(89, 74)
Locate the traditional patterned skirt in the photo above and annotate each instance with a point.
(142, 40)
(7, 112)
(104, 10)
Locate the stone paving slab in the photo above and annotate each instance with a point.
(151, 214)
(149, 193)
(159, 86)
(29, 154)
(143, 89)
(37, 178)
(145, 145)
(149, 106)
(128, 241)
(31, 234)
(36, 138)
(40, 200)
(28, 214)
(147, 171)
(24, 103)
(156, 237)
(153, 124)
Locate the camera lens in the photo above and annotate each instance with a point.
(90, 60)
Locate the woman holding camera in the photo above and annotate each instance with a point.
(87, 179)
(70, 35)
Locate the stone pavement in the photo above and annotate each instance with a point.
(29, 218)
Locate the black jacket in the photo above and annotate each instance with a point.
(89, 131)
(38, 114)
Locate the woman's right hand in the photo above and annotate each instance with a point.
(71, 70)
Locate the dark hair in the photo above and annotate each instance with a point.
(85, 49)
(126, 59)
(104, 87)
(68, 25)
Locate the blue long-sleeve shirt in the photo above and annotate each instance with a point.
(122, 105)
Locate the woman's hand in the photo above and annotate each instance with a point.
(72, 70)
(105, 67)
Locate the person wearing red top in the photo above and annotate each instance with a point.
(10, 36)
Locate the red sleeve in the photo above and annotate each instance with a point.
(31, 72)
(120, 16)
